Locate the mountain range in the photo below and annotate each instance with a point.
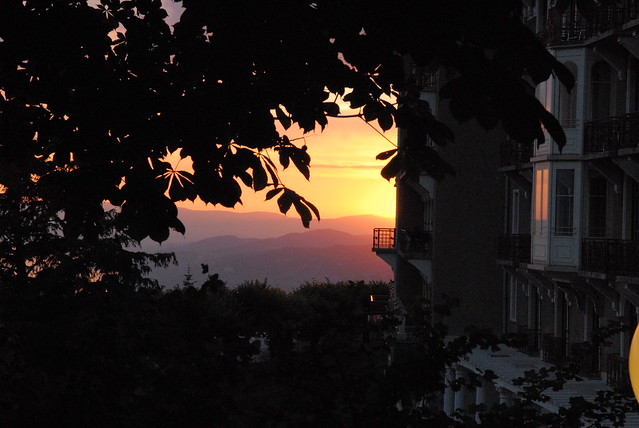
(264, 246)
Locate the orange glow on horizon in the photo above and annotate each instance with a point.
(345, 177)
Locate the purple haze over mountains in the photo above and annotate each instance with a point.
(256, 246)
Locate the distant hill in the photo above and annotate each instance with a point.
(206, 224)
(286, 261)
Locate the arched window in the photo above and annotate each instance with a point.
(601, 99)
(568, 101)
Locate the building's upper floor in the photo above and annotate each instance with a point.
(571, 27)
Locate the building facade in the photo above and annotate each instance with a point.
(567, 252)
(570, 245)
(442, 247)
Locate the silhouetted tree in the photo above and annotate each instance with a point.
(39, 253)
(252, 356)
(93, 97)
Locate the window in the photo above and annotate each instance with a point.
(428, 215)
(512, 297)
(635, 212)
(568, 101)
(591, 320)
(514, 226)
(541, 201)
(601, 90)
(564, 202)
(597, 207)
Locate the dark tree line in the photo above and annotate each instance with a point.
(91, 100)
(253, 356)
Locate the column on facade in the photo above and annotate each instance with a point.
(487, 395)
(530, 293)
(504, 395)
(449, 394)
(466, 394)
(556, 310)
(624, 342)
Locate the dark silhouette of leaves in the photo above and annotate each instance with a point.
(385, 155)
(272, 193)
(304, 212)
(385, 119)
(283, 118)
(107, 89)
(285, 201)
(392, 168)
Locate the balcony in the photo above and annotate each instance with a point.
(425, 78)
(379, 304)
(514, 153)
(514, 248)
(617, 369)
(411, 243)
(573, 28)
(530, 340)
(554, 349)
(612, 134)
(383, 239)
(613, 256)
(586, 358)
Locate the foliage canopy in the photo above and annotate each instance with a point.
(250, 356)
(93, 97)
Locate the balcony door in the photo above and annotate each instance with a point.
(597, 198)
(634, 218)
(564, 318)
(566, 201)
(601, 90)
(568, 101)
(562, 311)
(514, 217)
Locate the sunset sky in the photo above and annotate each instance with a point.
(345, 177)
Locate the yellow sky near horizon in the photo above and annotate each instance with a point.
(345, 176)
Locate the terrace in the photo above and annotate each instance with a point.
(612, 134)
(554, 349)
(617, 370)
(610, 256)
(572, 27)
(412, 243)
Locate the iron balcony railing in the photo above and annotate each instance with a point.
(530, 339)
(514, 153)
(616, 256)
(408, 242)
(612, 134)
(554, 348)
(515, 248)
(379, 304)
(585, 356)
(572, 27)
(617, 370)
(425, 78)
(383, 239)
